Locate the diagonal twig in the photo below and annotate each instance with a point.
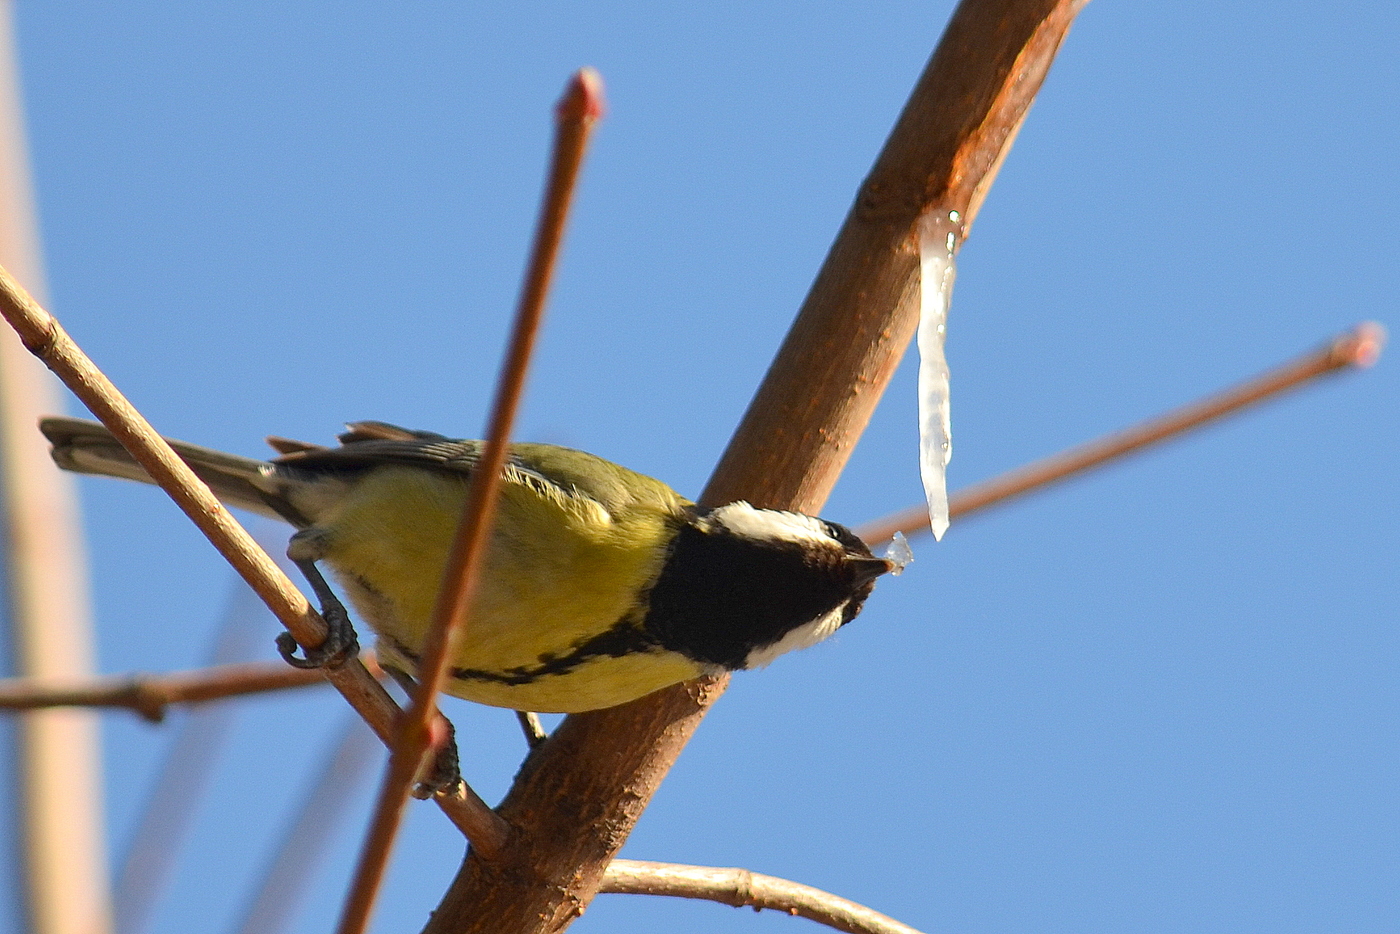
(578, 111)
(1359, 347)
(45, 338)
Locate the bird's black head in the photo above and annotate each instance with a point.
(741, 586)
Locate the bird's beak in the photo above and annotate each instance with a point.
(866, 568)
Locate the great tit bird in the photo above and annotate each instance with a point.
(599, 585)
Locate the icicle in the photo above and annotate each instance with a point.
(938, 240)
(899, 554)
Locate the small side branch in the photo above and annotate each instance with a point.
(578, 111)
(1359, 347)
(744, 889)
(151, 695)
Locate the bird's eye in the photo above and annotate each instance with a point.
(848, 539)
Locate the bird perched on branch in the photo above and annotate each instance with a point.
(599, 584)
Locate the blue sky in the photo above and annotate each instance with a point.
(1162, 698)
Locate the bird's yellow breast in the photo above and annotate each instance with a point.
(560, 569)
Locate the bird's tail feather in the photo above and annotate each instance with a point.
(84, 446)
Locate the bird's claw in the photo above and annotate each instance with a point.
(341, 643)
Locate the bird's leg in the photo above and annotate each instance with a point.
(446, 773)
(532, 727)
(341, 643)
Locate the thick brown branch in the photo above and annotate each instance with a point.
(862, 310)
(743, 889)
(579, 795)
(1359, 347)
(150, 695)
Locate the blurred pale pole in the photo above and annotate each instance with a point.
(59, 777)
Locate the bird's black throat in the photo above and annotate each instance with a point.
(720, 595)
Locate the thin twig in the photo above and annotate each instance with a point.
(1359, 347)
(175, 797)
(45, 338)
(307, 838)
(150, 695)
(577, 113)
(787, 453)
(741, 888)
(531, 727)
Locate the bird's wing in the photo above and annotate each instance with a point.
(554, 472)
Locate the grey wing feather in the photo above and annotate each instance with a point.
(84, 446)
(372, 444)
(383, 431)
(434, 452)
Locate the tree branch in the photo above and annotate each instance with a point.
(1359, 347)
(741, 888)
(579, 795)
(577, 113)
(150, 695)
(45, 338)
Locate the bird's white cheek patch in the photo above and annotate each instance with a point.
(772, 525)
(799, 638)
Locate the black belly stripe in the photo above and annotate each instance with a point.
(619, 639)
